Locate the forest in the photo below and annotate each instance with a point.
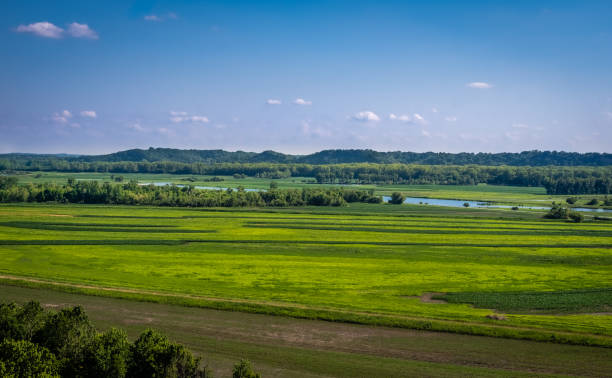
(92, 192)
(556, 179)
(525, 158)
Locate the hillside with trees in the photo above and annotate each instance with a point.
(525, 158)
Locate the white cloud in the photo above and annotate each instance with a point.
(366, 116)
(450, 119)
(419, 118)
(434, 110)
(301, 101)
(61, 117)
(609, 115)
(43, 29)
(179, 117)
(89, 114)
(197, 118)
(479, 85)
(425, 133)
(401, 118)
(159, 18)
(81, 31)
(136, 126)
(272, 101)
(49, 30)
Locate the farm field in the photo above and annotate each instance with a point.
(287, 347)
(369, 264)
(509, 195)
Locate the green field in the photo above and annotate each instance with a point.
(364, 264)
(287, 347)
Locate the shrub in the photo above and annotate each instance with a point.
(593, 202)
(397, 198)
(243, 369)
(571, 200)
(557, 211)
(466, 204)
(576, 217)
(515, 208)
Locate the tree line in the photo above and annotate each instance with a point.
(525, 158)
(92, 192)
(556, 179)
(39, 343)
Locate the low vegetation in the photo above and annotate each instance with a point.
(555, 302)
(558, 211)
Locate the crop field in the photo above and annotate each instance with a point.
(369, 264)
(288, 347)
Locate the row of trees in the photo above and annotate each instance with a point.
(525, 158)
(92, 192)
(39, 343)
(556, 180)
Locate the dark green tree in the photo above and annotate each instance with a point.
(153, 355)
(397, 198)
(23, 358)
(243, 369)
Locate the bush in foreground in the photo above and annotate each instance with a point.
(39, 343)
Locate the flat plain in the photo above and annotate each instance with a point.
(403, 290)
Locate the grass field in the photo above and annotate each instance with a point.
(509, 195)
(371, 264)
(287, 347)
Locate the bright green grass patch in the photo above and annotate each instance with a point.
(568, 301)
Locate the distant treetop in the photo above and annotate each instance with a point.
(525, 158)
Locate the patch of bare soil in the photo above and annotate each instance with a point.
(428, 298)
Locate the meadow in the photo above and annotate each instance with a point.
(366, 263)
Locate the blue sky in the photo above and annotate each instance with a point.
(297, 77)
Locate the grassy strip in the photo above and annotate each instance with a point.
(429, 231)
(78, 227)
(284, 242)
(516, 226)
(333, 316)
(570, 301)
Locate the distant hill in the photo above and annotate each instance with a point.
(526, 158)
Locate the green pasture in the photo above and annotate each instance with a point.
(354, 264)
